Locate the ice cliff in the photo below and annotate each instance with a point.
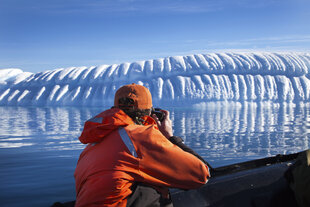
(254, 77)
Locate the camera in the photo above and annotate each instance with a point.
(160, 115)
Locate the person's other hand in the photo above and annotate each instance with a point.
(165, 127)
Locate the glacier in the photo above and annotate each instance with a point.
(173, 81)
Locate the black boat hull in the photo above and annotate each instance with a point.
(258, 183)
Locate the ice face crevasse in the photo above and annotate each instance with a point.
(256, 77)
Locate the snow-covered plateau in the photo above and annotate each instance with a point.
(238, 77)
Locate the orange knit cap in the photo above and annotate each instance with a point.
(141, 95)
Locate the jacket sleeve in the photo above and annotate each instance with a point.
(163, 163)
(179, 142)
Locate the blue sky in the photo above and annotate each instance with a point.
(39, 35)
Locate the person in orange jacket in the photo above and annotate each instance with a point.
(132, 158)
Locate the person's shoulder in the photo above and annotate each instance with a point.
(145, 131)
(142, 128)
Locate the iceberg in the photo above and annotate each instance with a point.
(173, 81)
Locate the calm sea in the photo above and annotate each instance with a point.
(39, 147)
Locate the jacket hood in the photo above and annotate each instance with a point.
(96, 128)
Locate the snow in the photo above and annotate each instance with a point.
(13, 75)
(193, 79)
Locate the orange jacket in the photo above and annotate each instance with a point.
(120, 153)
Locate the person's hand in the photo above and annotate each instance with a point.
(165, 127)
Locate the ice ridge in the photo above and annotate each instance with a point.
(179, 80)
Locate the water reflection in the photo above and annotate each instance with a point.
(221, 133)
(239, 132)
(40, 129)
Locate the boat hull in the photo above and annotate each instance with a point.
(258, 183)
